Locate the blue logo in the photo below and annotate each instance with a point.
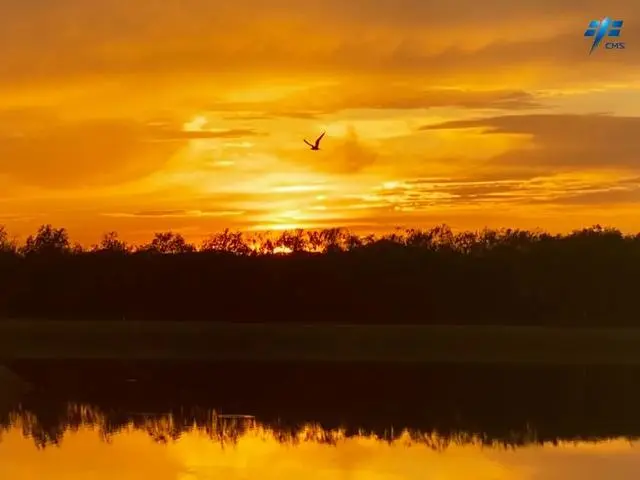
(599, 28)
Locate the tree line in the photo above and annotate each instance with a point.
(588, 277)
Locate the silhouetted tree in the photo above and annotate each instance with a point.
(262, 244)
(333, 239)
(228, 242)
(508, 276)
(110, 242)
(48, 240)
(295, 241)
(7, 246)
(169, 242)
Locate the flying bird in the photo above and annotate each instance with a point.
(315, 146)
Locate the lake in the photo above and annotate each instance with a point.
(195, 420)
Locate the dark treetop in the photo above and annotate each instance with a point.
(586, 278)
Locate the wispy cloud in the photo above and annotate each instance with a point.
(562, 141)
(179, 135)
(38, 148)
(168, 115)
(311, 37)
(175, 213)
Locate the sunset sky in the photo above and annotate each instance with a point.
(189, 115)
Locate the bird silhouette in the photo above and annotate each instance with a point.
(315, 146)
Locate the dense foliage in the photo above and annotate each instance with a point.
(589, 277)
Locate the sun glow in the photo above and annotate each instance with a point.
(197, 124)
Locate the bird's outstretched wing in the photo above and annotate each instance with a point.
(310, 144)
(319, 138)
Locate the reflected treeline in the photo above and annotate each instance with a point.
(433, 405)
(50, 429)
(588, 277)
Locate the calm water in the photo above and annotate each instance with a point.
(192, 422)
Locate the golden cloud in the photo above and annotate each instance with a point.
(74, 38)
(562, 142)
(47, 151)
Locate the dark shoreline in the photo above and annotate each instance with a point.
(207, 341)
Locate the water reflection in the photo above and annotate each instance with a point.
(244, 448)
(174, 421)
(225, 429)
(497, 405)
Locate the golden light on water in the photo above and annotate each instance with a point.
(243, 448)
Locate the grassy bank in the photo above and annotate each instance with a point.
(27, 339)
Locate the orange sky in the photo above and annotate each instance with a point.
(258, 455)
(189, 115)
